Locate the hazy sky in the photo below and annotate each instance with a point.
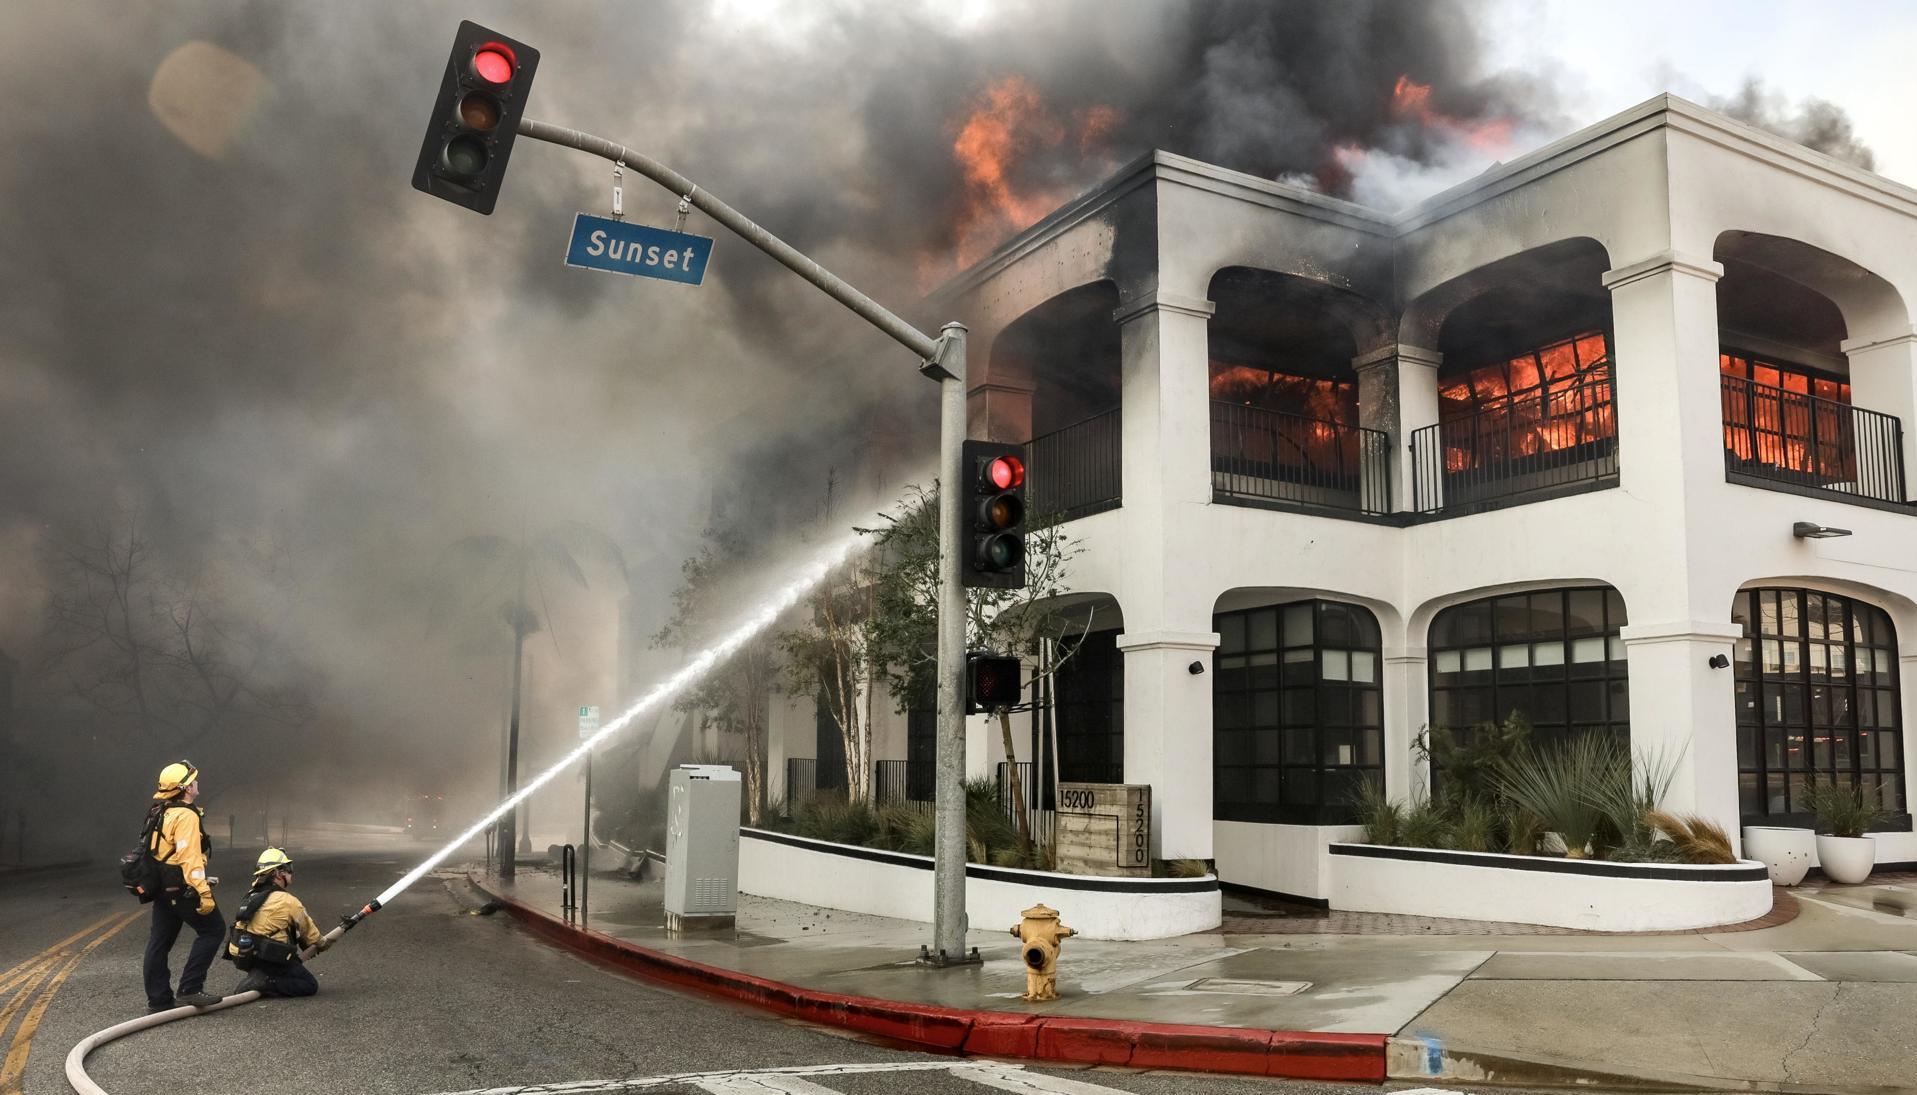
(1607, 56)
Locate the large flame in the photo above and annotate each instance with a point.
(1004, 126)
(1410, 99)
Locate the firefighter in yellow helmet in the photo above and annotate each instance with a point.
(176, 839)
(269, 931)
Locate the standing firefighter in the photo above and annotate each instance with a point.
(269, 931)
(174, 839)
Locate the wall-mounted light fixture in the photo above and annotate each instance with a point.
(1719, 661)
(1195, 668)
(1811, 530)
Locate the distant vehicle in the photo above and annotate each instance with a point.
(423, 816)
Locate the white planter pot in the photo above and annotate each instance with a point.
(1786, 852)
(1846, 858)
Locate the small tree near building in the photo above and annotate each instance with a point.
(901, 630)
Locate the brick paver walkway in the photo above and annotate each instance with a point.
(1246, 915)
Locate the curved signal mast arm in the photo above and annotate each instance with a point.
(913, 339)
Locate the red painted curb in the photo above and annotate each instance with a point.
(1358, 1058)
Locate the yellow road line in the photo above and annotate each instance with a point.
(14, 1067)
(8, 978)
(38, 974)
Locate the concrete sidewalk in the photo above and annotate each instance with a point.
(1825, 1001)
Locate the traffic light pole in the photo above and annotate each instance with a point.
(941, 359)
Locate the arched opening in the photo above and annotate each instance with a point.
(1284, 411)
(1297, 711)
(1054, 381)
(1786, 385)
(1817, 699)
(1551, 657)
(1525, 396)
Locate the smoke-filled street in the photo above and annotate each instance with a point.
(432, 999)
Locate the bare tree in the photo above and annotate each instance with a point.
(178, 658)
(735, 698)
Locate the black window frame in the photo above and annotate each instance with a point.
(1291, 747)
(1764, 698)
(1472, 650)
(1088, 711)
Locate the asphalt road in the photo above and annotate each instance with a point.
(426, 998)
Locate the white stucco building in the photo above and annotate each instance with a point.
(1539, 442)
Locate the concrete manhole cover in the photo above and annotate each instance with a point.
(1249, 988)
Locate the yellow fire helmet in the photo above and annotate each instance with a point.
(176, 776)
(272, 859)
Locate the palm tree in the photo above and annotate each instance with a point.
(492, 564)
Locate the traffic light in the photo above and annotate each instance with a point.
(475, 118)
(994, 510)
(991, 682)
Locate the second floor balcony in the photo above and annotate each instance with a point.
(1557, 440)
(1782, 439)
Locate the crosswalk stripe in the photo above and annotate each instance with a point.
(1028, 1083)
(763, 1084)
(815, 1080)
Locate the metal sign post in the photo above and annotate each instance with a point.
(588, 726)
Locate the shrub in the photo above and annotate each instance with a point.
(1556, 784)
(1844, 811)
(1467, 762)
(1382, 818)
(1474, 826)
(1696, 839)
(1425, 825)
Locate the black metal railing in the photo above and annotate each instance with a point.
(1037, 817)
(1538, 444)
(1263, 456)
(1075, 472)
(801, 780)
(888, 781)
(1807, 441)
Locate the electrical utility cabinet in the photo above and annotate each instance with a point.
(702, 847)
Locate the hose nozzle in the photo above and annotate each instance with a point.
(352, 919)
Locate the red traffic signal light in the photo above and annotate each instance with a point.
(991, 682)
(994, 555)
(482, 96)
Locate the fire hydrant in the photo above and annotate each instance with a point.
(1041, 935)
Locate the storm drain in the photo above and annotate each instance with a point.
(1249, 988)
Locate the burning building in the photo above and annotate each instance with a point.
(1547, 442)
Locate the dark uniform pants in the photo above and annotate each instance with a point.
(208, 932)
(292, 979)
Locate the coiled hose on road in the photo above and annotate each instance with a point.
(77, 1077)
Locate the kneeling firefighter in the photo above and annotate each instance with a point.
(269, 931)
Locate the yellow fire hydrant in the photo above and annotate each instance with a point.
(1041, 936)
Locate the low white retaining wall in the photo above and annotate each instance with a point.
(867, 880)
(1566, 893)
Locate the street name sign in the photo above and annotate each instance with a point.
(588, 722)
(621, 247)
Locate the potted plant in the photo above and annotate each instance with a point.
(1846, 854)
(1785, 851)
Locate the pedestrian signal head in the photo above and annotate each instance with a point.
(176, 777)
(272, 859)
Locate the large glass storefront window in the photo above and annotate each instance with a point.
(1817, 698)
(1556, 398)
(1553, 657)
(1297, 712)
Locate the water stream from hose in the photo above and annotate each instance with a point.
(752, 626)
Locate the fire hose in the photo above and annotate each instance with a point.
(77, 1077)
(755, 623)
